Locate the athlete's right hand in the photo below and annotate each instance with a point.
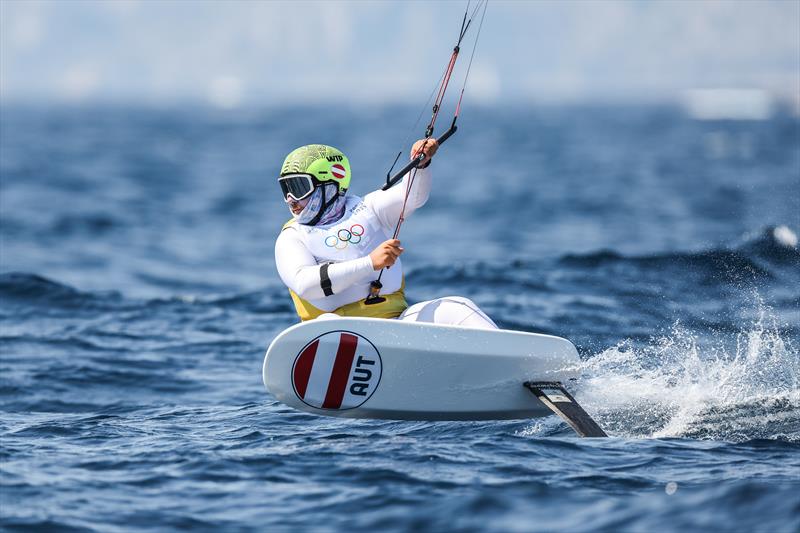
(386, 254)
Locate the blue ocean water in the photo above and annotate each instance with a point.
(138, 294)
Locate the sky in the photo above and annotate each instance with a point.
(240, 53)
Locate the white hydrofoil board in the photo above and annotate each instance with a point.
(377, 368)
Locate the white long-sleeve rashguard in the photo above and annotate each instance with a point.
(299, 267)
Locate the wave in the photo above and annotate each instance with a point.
(774, 245)
(771, 254)
(725, 388)
(25, 290)
(89, 224)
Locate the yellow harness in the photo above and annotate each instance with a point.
(393, 307)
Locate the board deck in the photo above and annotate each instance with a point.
(377, 368)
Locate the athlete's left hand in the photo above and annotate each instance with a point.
(428, 146)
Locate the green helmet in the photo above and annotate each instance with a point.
(323, 163)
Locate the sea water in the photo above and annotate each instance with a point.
(139, 292)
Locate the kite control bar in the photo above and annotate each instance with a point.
(375, 286)
(414, 163)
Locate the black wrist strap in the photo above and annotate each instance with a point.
(324, 280)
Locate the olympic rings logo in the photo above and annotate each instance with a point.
(344, 237)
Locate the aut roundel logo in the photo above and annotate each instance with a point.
(338, 171)
(337, 370)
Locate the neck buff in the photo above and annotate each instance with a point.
(317, 202)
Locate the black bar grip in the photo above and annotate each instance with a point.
(403, 171)
(414, 163)
(446, 135)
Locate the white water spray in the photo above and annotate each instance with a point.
(728, 387)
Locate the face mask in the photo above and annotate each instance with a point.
(316, 202)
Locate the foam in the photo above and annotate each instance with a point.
(785, 236)
(730, 386)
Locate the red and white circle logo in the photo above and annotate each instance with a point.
(337, 370)
(338, 171)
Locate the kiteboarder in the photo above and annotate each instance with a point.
(332, 249)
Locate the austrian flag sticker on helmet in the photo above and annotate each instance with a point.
(338, 171)
(337, 370)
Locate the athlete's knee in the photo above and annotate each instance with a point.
(463, 311)
(460, 300)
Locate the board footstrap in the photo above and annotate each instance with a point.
(555, 396)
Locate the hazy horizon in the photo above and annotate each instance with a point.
(265, 54)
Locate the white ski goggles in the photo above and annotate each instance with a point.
(297, 186)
